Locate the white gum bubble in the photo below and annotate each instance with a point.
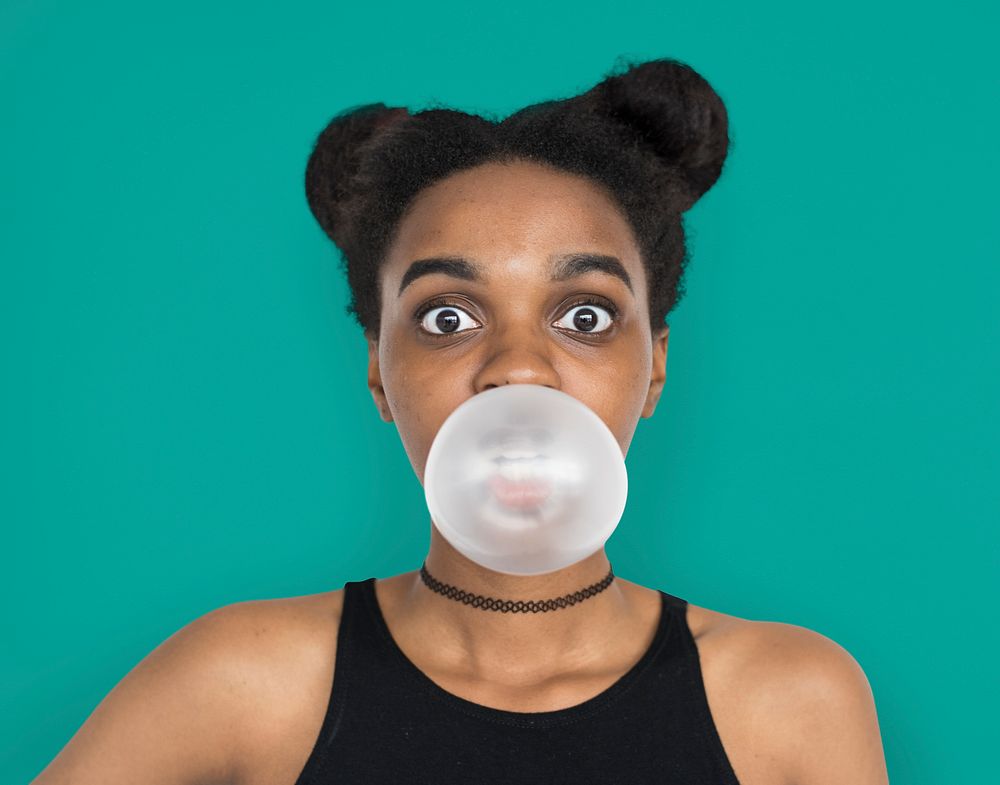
(524, 479)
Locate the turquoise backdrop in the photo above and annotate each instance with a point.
(185, 421)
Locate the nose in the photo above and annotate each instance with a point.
(517, 357)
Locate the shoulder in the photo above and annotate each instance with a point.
(194, 707)
(797, 697)
(254, 633)
(279, 658)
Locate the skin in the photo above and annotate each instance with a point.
(238, 695)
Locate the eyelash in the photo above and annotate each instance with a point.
(444, 301)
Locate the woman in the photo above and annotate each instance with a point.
(545, 249)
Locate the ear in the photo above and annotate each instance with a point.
(658, 373)
(375, 379)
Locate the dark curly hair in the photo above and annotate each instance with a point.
(654, 137)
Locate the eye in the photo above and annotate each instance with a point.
(593, 315)
(587, 316)
(444, 317)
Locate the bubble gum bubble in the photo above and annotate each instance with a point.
(524, 479)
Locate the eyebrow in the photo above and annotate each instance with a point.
(563, 267)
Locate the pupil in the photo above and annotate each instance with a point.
(447, 321)
(585, 319)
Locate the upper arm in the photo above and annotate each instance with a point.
(828, 725)
(172, 720)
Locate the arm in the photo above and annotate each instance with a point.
(173, 720)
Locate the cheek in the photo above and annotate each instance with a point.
(618, 393)
(421, 402)
(617, 405)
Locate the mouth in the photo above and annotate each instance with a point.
(516, 485)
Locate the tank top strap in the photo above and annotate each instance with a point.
(691, 690)
(359, 630)
(355, 643)
(674, 618)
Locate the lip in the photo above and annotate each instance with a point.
(519, 495)
(516, 483)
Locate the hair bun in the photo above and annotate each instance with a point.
(674, 111)
(336, 159)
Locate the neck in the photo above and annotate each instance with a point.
(515, 647)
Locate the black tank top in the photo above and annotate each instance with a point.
(388, 723)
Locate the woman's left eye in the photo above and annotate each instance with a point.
(586, 317)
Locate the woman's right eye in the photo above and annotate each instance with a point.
(445, 320)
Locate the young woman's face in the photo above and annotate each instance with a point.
(504, 307)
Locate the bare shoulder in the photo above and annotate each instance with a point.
(284, 652)
(196, 707)
(791, 705)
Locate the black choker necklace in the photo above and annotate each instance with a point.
(515, 606)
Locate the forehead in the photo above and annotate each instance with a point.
(501, 210)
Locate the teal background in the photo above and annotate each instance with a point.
(185, 417)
